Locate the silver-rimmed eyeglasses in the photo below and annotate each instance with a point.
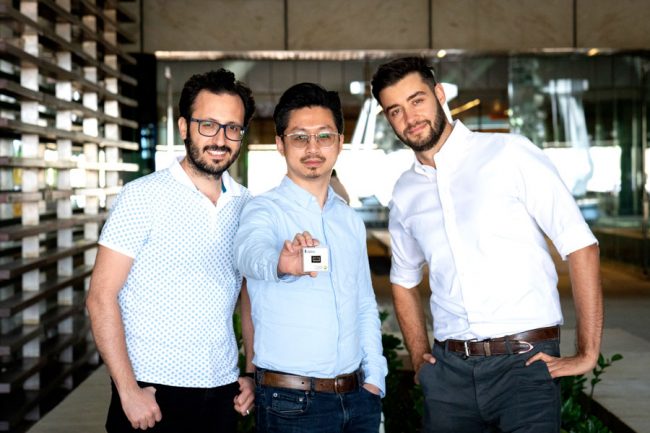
(301, 139)
(210, 128)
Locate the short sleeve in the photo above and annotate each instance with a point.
(407, 258)
(129, 222)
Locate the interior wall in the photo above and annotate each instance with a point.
(487, 25)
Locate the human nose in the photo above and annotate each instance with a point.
(312, 144)
(220, 136)
(409, 117)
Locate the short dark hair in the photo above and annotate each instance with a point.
(306, 95)
(393, 71)
(218, 82)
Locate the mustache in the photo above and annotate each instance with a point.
(421, 122)
(215, 148)
(312, 157)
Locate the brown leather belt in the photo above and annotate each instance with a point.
(514, 344)
(340, 384)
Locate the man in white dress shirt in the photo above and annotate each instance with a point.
(475, 208)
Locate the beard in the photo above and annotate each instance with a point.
(315, 171)
(203, 165)
(432, 138)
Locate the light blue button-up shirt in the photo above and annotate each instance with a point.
(319, 327)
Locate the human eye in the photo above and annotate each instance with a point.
(237, 129)
(207, 125)
(300, 138)
(418, 101)
(393, 113)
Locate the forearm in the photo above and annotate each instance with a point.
(108, 278)
(108, 331)
(584, 266)
(374, 363)
(248, 331)
(410, 316)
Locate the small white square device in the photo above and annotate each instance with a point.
(315, 259)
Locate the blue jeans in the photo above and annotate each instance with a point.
(281, 410)
(483, 393)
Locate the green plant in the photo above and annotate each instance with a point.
(576, 405)
(403, 405)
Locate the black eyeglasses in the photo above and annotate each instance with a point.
(210, 128)
(300, 140)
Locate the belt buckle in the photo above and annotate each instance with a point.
(336, 384)
(530, 347)
(466, 346)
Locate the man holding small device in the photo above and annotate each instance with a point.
(317, 344)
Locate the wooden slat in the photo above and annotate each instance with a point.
(23, 300)
(19, 231)
(6, 11)
(22, 265)
(54, 134)
(20, 197)
(16, 374)
(14, 407)
(17, 338)
(111, 23)
(89, 33)
(48, 68)
(19, 92)
(10, 161)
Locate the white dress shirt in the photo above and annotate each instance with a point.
(478, 221)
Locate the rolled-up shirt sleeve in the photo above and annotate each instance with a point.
(407, 260)
(549, 201)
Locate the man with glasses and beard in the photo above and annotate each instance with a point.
(475, 208)
(165, 285)
(318, 352)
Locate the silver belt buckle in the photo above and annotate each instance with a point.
(466, 346)
(530, 347)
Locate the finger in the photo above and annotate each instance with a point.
(313, 274)
(309, 241)
(289, 246)
(429, 358)
(536, 357)
(299, 239)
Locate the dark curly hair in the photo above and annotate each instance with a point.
(218, 82)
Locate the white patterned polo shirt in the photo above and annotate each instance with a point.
(178, 299)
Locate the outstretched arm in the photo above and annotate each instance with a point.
(108, 278)
(584, 268)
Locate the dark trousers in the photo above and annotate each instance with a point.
(280, 410)
(490, 393)
(183, 410)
